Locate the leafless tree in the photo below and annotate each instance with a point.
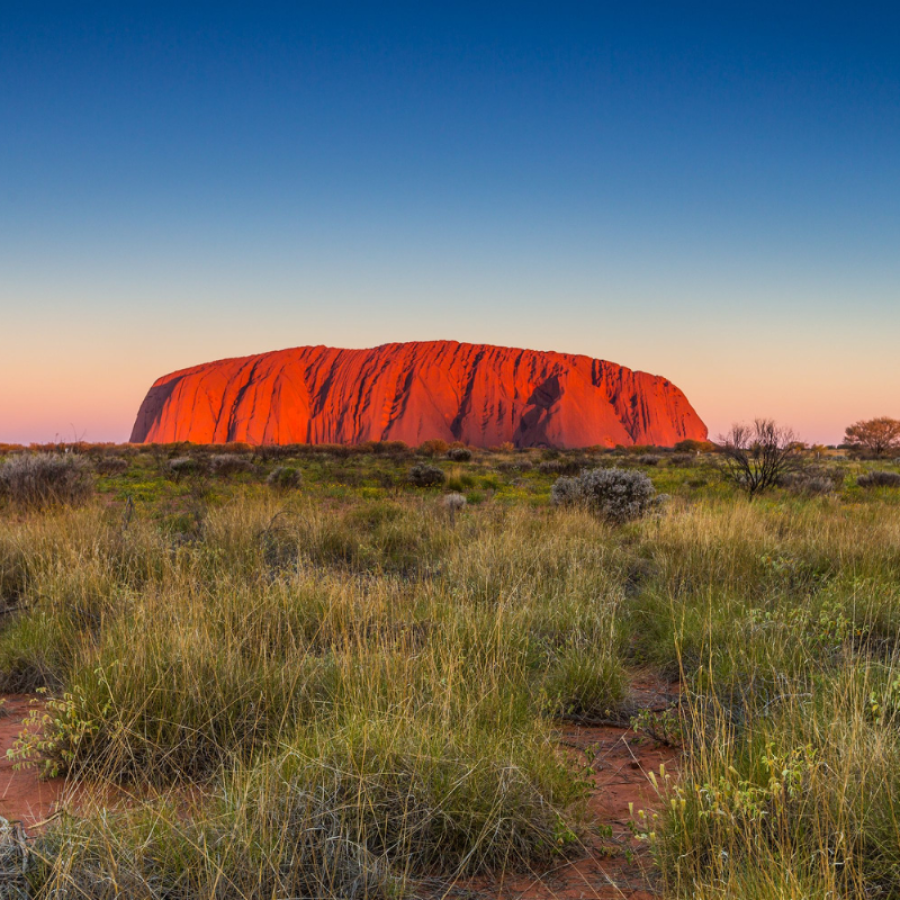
(757, 456)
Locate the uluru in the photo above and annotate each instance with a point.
(478, 394)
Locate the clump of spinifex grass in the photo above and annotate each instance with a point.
(354, 812)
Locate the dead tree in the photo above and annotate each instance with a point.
(756, 457)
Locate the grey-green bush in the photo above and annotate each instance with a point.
(617, 495)
(228, 464)
(42, 479)
(879, 479)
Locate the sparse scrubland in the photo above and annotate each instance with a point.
(303, 672)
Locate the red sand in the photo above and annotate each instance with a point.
(23, 796)
(481, 395)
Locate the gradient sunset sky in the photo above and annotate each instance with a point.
(706, 191)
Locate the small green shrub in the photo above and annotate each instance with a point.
(423, 475)
(284, 478)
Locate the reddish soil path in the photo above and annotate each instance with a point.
(23, 796)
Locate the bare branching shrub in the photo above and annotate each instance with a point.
(42, 479)
(284, 478)
(756, 457)
(423, 475)
(879, 479)
(617, 495)
(459, 454)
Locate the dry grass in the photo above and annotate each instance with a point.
(334, 699)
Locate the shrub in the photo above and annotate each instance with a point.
(617, 495)
(183, 465)
(454, 503)
(111, 465)
(230, 464)
(649, 459)
(560, 467)
(423, 475)
(284, 478)
(813, 480)
(41, 479)
(433, 448)
(459, 454)
(879, 479)
(692, 446)
(683, 460)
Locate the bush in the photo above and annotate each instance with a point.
(284, 478)
(813, 480)
(183, 465)
(111, 465)
(692, 446)
(423, 475)
(454, 503)
(433, 448)
(617, 495)
(459, 454)
(649, 459)
(879, 479)
(560, 467)
(229, 464)
(41, 479)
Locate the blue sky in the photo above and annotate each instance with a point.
(708, 191)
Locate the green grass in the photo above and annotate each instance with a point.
(338, 690)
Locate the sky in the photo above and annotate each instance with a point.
(707, 191)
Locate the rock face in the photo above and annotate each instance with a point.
(475, 393)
